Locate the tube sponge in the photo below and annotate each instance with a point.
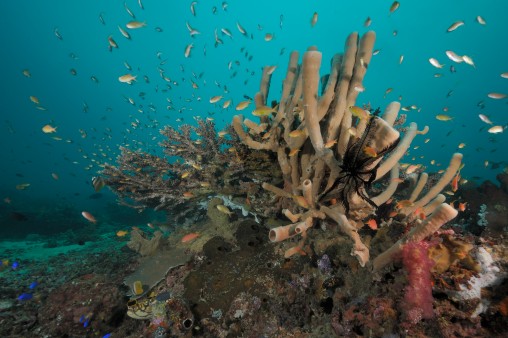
(418, 294)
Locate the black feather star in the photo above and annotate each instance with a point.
(358, 171)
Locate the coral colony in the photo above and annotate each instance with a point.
(318, 162)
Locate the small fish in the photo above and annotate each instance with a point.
(107, 335)
(127, 78)
(33, 285)
(372, 224)
(193, 7)
(189, 237)
(297, 133)
(55, 176)
(496, 130)
(367, 22)
(242, 105)
(269, 37)
(314, 19)
(496, 96)
(241, 29)
(443, 117)
(121, 233)
(455, 25)
(112, 43)
(25, 296)
(468, 60)
(128, 10)
(330, 144)
(48, 129)
(455, 183)
(412, 168)
(462, 206)
(359, 112)
(401, 58)
(88, 216)
(224, 209)
(188, 49)
(262, 111)
(395, 5)
(135, 24)
(188, 194)
(454, 56)
(34, 99)
(369, 151)
(485, 119)
(461, 145)
(226, 104)
(98, 183)
(57, 34)
(26, 73)
(15, 265)
(504, 75)
(404, 204)
(480, 20)
(124, 33)
(22, 186)
(435, 63)
(214, 99)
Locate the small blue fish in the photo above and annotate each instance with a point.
(33, 285)
(86, 323)
(107, 335)
(15, 265)
(25, 296)
(82, 318)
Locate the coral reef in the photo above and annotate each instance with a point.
(198, 163)
(331, 152)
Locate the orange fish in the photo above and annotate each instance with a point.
(455, 183)
(190, 237)
(462, 206)
(372, 224)
(403, 204)
(188, 194)
(121, 233)
(89, 217)
(369, 151)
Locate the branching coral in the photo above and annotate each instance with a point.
(329, 150)
(198, 163)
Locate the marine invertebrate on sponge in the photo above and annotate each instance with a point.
(329, 150)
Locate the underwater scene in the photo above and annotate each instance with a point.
(254, 168)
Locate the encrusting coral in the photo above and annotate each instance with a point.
(330, 151)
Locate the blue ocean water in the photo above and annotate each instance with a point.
(94, 118)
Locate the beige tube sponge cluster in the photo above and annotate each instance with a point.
(329, 149)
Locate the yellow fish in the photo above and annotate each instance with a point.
(263, 111)
(443, 117)
(297, 133)
(47, 129)
(224, 209)
(214, 99)
(135, 24)
(121, 233)
(359, 112)
(242, 105)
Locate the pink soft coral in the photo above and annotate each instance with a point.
(418, 294)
